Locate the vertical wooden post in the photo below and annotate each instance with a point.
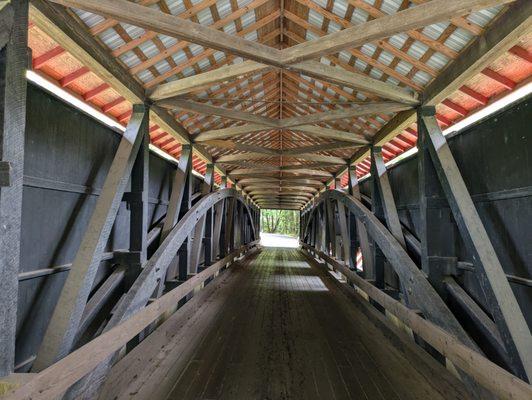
(388, 207)
(331, 228)
(138, 205)
(365, 246)
(378, 210)
(237, 225)
(178, 205)
(217, 231)
(228, 226)
(202, 225)
(64, 324)
(13, 65)
(503, 304)
(209, 224)
(180, 190)
(436, 226)
(344, 233)
(386, 196)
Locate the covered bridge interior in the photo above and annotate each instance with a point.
(139, 141)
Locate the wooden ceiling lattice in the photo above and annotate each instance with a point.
(220, 100)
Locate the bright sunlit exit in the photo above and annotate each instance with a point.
(279, 228)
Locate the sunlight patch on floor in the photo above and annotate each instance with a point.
(275, 240)
(296, 283)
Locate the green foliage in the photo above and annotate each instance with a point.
(285, 222)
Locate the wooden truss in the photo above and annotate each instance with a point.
(285, 68)
(282, 125)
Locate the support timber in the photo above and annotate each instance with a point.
(13, 65)
(67, 315)
(509, 317)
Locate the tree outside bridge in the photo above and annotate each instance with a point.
(284, 222)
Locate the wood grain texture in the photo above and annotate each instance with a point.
(277, 328)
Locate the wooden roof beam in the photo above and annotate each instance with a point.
(167, 24)
(186, 85)
(201, 108)
(228, 144)
(303, 193)
(301, 199)
(500, 36)
(311, 129)
(70, 35)
(386, 26)
(412, 18)
(244, 181)
(236, 158)
(262, 170)
(353, 111)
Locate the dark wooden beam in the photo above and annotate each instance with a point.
(14, 60)
(498, 38)
(506, 311)
(64, 323)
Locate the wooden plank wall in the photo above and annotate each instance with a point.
(495, 159)
(68, 154)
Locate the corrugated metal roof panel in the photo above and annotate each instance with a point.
(421, 78)
(344, 56)
(204, 64)
(145, 76)
(149, 49)
(252, 36)
(459, 39)
(389, 6)
(179, 57)
(133, 31)
(333, 27)
(167, 41)
(224, 8)
(188, 71)
(89, 18)
(417, 50)
(360, 65)
(484, 17)
(359, 16)
(375, 73)
(339, 8)
(196, 49)
(386, 58)
(315, 18)
(368, 49)
(403, 67)
(398, 40)
(437, 61)
(176, 7)
(130, 59)
(205, 17)
(434, 31)
(111, 39)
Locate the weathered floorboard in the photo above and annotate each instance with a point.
(277, 328)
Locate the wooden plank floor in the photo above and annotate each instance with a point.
(277, 329)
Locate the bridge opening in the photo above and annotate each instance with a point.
(279, 228)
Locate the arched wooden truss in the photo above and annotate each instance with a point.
(338, 223)
(209, 228)
(133, 314)
(309, 121)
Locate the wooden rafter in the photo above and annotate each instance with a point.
(383, 27)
